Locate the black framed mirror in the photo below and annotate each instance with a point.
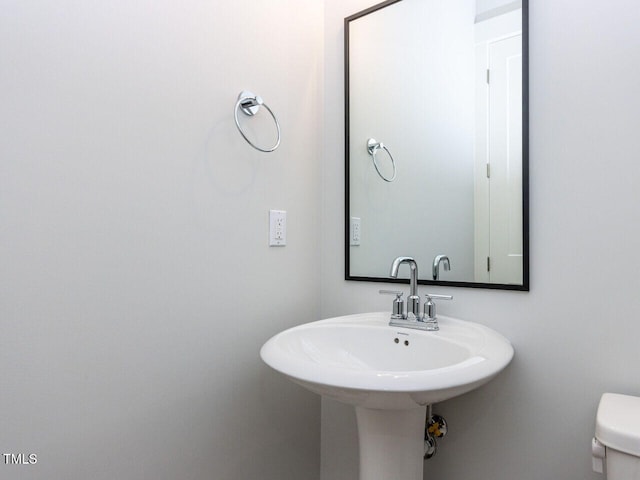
(437, 142)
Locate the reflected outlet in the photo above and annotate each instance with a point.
(355, 231)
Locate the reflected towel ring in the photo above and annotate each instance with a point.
(372, 147)
(250, 105)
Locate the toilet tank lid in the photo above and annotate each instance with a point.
(618, 423)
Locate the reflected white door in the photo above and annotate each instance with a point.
(505, 160)
(498, 183)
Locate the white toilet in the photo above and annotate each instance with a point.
(617, 437)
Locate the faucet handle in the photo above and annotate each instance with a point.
(430, 309)
(398, 303)
(397, 293)
(439, 297)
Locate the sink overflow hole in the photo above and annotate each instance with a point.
(396, 340)
(406, 342)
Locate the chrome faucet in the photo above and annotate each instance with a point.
(436, 265)
(413, 301)
(414, 317)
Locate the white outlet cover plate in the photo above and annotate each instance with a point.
(277, 228)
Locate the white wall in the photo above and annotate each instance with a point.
(136, 284)
(576, 333)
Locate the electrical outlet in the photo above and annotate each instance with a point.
(277, 228)
(355, 231)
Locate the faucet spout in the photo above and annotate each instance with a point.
(395, 266)
(413, 305)
(436, 265)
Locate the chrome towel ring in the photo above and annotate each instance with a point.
(250, 105)
(372, 147)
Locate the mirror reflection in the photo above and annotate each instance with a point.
(436, 168)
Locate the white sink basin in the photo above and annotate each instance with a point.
(389, 374)
(361, 360)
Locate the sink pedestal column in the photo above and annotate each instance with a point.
(391, 443)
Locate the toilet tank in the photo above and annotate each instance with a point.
(617, 437)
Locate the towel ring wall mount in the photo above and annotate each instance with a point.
(372, 147)
(250, 104)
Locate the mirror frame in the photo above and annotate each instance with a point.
(525, 165)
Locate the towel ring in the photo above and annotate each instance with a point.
(372, 147)
(250, 105)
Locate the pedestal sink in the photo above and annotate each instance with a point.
(390, 374)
